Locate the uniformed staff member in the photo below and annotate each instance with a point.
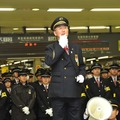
(104, 74)
(68, 71)
(36, 84)
(112, 80)
(44, 111)
(23, 96)
(7, 83)
(3, 101)
(15, 72)
(115, 111)
(96, 85)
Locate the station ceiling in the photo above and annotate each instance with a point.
(24, 16)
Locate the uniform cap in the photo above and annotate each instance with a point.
(88, 71)
(96, 65)
(22, 72)
(59, 21)
(114, 103)
(31, 74)
(39, 72)
(7, 80)
(114, 66)
(16, 70)
(104, 71)
(46, 73)
(4, 74)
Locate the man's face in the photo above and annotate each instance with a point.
(96, 71)
(8, 84)
(45, 80)
(39, 78)
(114, 114)
(23, 78)
(114, 72)
(61, 30)
(15, 74)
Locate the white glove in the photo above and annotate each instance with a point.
(10, 111)
(63, 41)
(86, 114)
(49, 112)
(80, 78)
(26, 110)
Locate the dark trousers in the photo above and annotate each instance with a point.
(66, 108)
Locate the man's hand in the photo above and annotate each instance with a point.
(80, 78)
(63, 41)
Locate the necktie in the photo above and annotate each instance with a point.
(114, 81)
(98, 82)
(46, 88)
(9, 90)
(66, 49)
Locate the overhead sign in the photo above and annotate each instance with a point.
(92, 45)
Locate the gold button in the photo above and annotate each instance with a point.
(62, 59)
(65, 68)
(65, 77)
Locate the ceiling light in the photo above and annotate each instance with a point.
(99, 27)
(35, 28)
(77, 28)
(17, 62)
(105, 9)
(103, 57)
(15, 28)
(30, 68)
(24, 60)
(91, 59)
(117, 27)
(10, 63)
(3, 65)
(35, 9)
(64, 10)
(7, 9)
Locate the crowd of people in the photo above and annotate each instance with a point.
(24, 99)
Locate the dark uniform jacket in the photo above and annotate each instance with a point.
(94, 90)
(23, 95)
(8, 106)
(43, 101)
(65, 69)
(3, 101)
(14, 82)
(110, 82)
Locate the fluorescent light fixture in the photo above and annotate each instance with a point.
(77, 28)
(10, 63)
(24, 60)
(15, 28)
(103, 57)
(7, 9)
(99, 27)
(17, 62)
(91, 59)
(117, 27)
(3, 65)
(64, 10)
(35, 9)
(105, 9)
(35, 28)
(30, 68)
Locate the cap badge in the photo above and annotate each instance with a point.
(61, 18)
